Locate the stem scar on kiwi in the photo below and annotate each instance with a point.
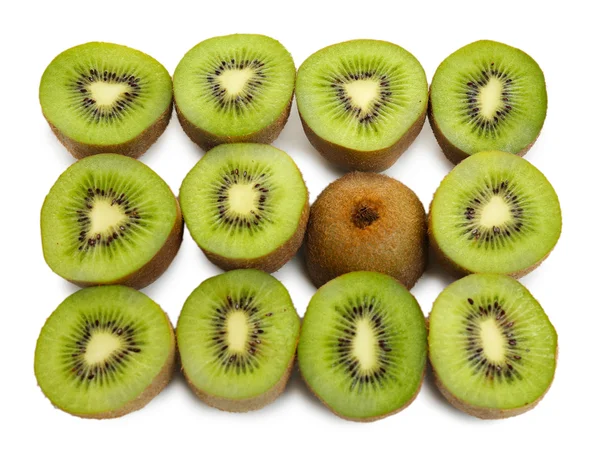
(106, 98)
(362, 102)
(492, 347)
(237, 336)
(233, 89)
(110, 219)
(487, 96)
(366, 221)
(105, 352)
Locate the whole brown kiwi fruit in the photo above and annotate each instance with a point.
(366, 222)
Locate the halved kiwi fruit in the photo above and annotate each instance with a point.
(106, 98)
(246, 206)
(362, 102)
(363, 346)
(494, 212)
(370, 222)
(237, 336)
(487, 95)
(105, 352)
(110, 219)
(234, 88)
(492, 347)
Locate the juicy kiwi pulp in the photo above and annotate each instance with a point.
(243, 201)
(491, 344)
(495, 212)
(237, 336)
(363, 94)
(105, 218)
(101, 349)
(488, 95)
(362, 347)
(104, 94)
(234, 85)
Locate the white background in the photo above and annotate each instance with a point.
(563, 39)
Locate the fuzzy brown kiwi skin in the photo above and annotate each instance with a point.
(452, 152)
(133, 148)
(324, 264)
(207, 141)
(368, 419)
(153, 268)
(458, 271)
(272, 261)
(156, 386)
(248, 404)
(371, 161)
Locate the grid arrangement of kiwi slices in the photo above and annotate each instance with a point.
(101, 97)
(110, 220)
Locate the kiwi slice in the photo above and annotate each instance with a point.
(235, 88)
(494, 212)
(362, 102)
(237, 336)
(105, 352)
(109, 219)
(246, 206)
(484, 96)
(370, 222)
(363, 346)
(492, 347)
(106, 98)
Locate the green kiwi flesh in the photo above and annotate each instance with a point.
(492, 347)
(487, 95)
(494, 212)
(366, 222)
(246, 206)
(100, 97)
(234, 88)
(363, 346)
(110, 219)
(362, 102)
(237, 336)
(104, 352)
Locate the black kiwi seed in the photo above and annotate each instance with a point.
(95, 113)
(253, 220)
(356, 310)
(505, 369)
(243, 362)
(241, 100)
(490, 236)
(119, 359)
(92, 195)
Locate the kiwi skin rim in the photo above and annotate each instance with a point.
(486, 413)
(369, 419)
(272, 261)
(156, 386)
(458, 271)
(373, 161)
(133, 148)
(154, 268)
(452, 152)
(207, 140)
(248, 404)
